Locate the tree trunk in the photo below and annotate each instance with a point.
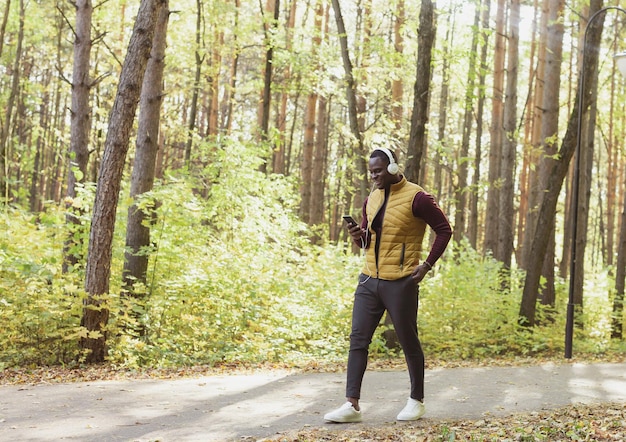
(6, 128)
(462, 191)
(96, 311)
(556, 175)
(421, 92)
(506, 209)
(495, 149)
(193, 111)
(617, 323)
(278, 160)
(550, 127)
(350, 89)
(397, 84)
(142, 178)
(3, 25)
(264, 107)
(533, 156)
(473, 229)
(80, 127)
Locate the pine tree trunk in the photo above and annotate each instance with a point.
(495, 149)
(556, 175)
(421, 92)
(506, 210)
(80, 127)
(144, 166)
(98, 272)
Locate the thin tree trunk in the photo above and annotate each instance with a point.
(193, 111)
(3, 25)
(495, 149)
(264, 107)
(5, 130)
(558, 170)
(80, 128)
(397, 83)
(535, 185)
(96, 311)
(550, 127)
(350, 90)
(506, 209)
(144, 167)
(473, 235)
(462, 164)
(421, 91)
(278, 160)
(617, 323)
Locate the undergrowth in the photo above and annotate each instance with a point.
(234, 279)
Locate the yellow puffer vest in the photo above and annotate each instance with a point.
(401, 234)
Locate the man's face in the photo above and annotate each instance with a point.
(378, 171)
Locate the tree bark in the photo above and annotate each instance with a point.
(5, 129)
(350, 87)
(506, 210)
(193, 110)
(550, 126)
(473, 229)
(462, 190)
(497, 138)
(264, 107)
(96, 312)
(557, 171)
(142, 178)
(617, 323)
(80, 127)
(421, 91)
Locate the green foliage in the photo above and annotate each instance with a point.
(38, 308)
(233, 278)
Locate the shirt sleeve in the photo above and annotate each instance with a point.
(425, 207)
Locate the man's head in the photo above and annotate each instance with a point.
(383, 168)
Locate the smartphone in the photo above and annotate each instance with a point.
(349, 220)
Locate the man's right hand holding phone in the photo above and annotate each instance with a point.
(356, 232)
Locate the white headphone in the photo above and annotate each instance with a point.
(392, 168)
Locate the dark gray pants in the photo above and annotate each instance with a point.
(371, 298)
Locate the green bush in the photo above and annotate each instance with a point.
(233, 278)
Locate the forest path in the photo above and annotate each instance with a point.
(256, 406)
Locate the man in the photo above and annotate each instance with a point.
(394, 222)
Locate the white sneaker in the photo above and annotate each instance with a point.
(413, 410)
(344, 414)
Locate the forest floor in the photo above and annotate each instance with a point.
(497, 400)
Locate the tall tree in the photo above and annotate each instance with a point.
(421, 91)
(550, 127)
(350, 90)
(3, 25)
(480, 107)
(199, 57)
(463, 162)
(273, 6)
(531, 193)
(96, 311)
(397, 84)
(617, 323)
(6, 127)
(147, 145)
(506, 209)
(308, 142)
(556, 174)
(320, 150)
(496, 130)
(80, 127)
